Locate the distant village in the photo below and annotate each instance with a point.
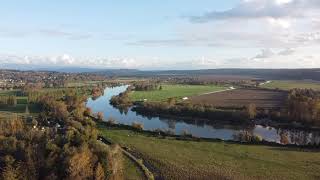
(12, 79)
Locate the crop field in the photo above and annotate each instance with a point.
(174, 159)
(178, 91)
(287, 85)
(243, 97)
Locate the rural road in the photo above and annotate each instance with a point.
(233, 88)
(229, 89)
(267, 82)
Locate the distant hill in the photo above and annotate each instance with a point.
(276, 74)
(285, 74)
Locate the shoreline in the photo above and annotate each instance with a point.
(162, 134)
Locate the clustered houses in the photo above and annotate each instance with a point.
(12, 79)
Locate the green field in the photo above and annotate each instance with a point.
(287, 85)
(176, 159)
(178, 91)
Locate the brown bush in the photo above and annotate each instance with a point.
(100, 116)
(137, 125)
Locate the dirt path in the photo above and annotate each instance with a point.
(229, 89)
(139, 162)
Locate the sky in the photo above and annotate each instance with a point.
(161, 34)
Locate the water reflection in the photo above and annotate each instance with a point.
(199, 128)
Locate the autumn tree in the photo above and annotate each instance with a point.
(81, 164)
(251, 111)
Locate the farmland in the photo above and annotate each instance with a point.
(287, 85)
(174, 159)
(177, 91)
(243, 97)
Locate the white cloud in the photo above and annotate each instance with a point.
(281, 2)
(254, 9)
(263, 24)
(68, 60)
(287, 52)
(265, 53)
(269, 53)
(284, 23)
(267, 58)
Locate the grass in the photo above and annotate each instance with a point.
(205, 160)
(287, 85)
(178, 91)
(132, 172)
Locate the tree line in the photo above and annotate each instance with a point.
(8, 100)
(146, 86)
(303, 105)
(186, 109)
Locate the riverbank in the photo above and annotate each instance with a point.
(189, 137)
(176, 159)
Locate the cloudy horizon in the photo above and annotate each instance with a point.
(162, 35)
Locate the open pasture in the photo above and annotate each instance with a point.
(177, 91)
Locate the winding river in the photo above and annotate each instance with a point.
(178, 126)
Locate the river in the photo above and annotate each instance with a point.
(178, 126)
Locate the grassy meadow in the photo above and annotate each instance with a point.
(287, 85)
(174, 159)
(178, 91)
